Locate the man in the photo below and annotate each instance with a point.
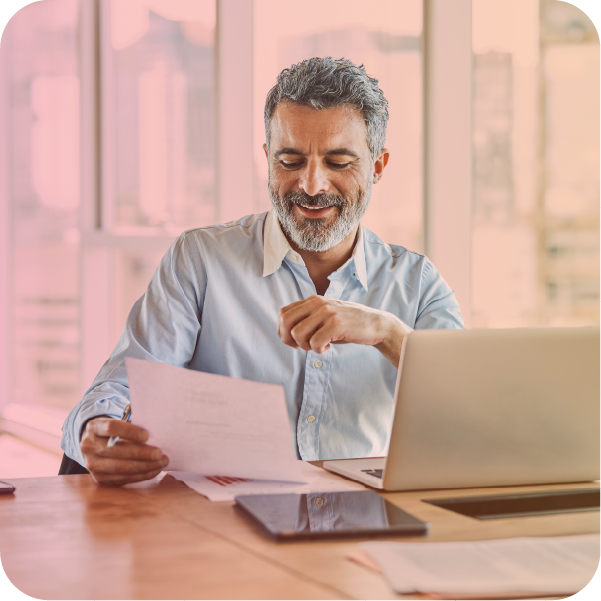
(275, 297)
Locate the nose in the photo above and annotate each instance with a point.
(313, 179)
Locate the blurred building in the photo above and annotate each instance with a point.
(492, 138)
(164, 127)
(43, 77)
(568, 207)
(535, 253)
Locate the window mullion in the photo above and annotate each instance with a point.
(448, 145)
(234, 109)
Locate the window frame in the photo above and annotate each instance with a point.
(448, 143)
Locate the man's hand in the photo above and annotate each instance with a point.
(129, 460)
(316, 322)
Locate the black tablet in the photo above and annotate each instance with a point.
(349, 514)
(6, 488)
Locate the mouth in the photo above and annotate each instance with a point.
(314, 212)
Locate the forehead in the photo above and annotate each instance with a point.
(305, 128)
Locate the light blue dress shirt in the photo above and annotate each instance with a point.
(213, 305)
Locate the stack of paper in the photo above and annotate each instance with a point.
(503, 568)
(219, 488)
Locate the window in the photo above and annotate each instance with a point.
(535, 238)
(43, 111)
(159, 114)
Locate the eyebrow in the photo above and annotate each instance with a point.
(342, 151)
(335, 152)
(288, 150)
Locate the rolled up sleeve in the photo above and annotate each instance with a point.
(438, 308)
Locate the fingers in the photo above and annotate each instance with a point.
(316, 322)
(117, 467)
(130, 460)
(313, 324)
(321, 339)
(134, 451)
(109, 470)
(119, 480)
(317, 331)
(116, 427)
(292, 316)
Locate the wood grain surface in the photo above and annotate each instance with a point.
(67, 538)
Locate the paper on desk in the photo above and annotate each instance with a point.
(217, 488)
(363, 559)
(210, 424)
(534, 565)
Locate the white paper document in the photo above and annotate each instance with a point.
(220, 488)
(208, 424)
(530, 566)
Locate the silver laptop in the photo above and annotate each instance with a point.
(479, 408)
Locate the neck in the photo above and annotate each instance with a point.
(321, 264)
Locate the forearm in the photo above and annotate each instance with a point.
(394, 330)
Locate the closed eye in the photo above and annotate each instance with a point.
(290, 164)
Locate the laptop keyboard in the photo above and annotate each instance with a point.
(374, 473)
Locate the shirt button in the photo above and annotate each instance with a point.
(318, 364)
(311, 418)
(319, 501)
(294, 257)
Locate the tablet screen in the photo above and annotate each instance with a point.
(328, 515)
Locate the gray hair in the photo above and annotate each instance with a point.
(322, 83)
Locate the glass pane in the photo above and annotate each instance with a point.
(387, 40)
(535, 243)
(160, 79)
(43, 110)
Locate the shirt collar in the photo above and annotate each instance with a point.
(276, 247)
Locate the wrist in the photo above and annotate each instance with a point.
(394, 330)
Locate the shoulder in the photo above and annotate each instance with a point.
(233, 235)
(395, 257)
(244, 227)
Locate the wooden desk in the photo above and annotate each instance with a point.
(67, 538)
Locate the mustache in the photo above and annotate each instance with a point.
(319, 200)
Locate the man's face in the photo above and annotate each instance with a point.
(320, 173)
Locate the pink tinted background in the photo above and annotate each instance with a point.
(80, 255)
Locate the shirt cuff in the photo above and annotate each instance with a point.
(83, 413)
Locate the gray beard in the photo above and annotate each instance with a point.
(315, 234)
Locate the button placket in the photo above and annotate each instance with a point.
(312, 408)
(301, 275)
(317, 374)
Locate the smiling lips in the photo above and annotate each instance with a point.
(314, 212)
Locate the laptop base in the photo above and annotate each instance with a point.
(358, 469)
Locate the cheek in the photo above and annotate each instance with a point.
(281, 183)
(351, 183)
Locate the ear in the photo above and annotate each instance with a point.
(266, 151)
(380, 164)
